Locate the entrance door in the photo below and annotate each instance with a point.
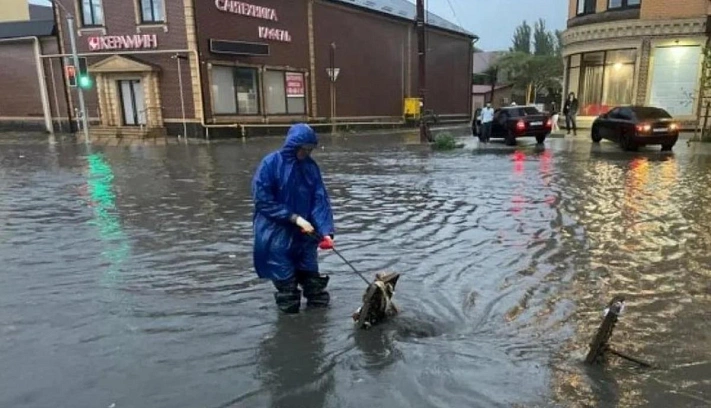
(132, 102)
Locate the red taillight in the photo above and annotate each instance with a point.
(644, 127)
(549, 123)
(673, 127)
(520, 125)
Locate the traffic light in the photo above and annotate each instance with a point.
(71, 74)
(84, 79)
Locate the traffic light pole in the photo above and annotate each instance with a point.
(422, 51)
(75, 57)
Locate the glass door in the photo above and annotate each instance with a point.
(133, 106)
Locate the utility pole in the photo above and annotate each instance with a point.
(422, 52)
(75, 57)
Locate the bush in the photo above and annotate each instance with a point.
(445, 141)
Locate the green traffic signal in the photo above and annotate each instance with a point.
(85, 81)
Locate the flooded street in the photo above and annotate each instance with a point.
(127, 277)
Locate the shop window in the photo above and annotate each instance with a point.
(152, 11)
(591, 77)
(586, 6)
(619, 77)
(92, 13)
(235, 91)
(285, 93)
(675, 77)
(622, 4)
(602, 80)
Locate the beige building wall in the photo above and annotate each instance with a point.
(668, 9)
(14, 10)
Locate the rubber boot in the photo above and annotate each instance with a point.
(315, 290)
(287, 296)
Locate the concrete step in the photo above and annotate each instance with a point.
(126, 132)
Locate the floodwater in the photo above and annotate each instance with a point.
(127, 280)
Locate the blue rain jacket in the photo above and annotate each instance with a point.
(282, 187)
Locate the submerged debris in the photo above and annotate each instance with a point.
(377, 301)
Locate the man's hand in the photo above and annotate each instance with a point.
(326, 243)
(304, 225)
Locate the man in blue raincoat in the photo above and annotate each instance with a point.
(292, 218)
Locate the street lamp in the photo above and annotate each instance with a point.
(84, 81)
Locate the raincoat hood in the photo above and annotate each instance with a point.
(298, 136)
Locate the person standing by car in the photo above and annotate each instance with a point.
(487, 118)
(570, 110)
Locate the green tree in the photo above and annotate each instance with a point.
(522, 39)
(534, 63)
(543, 40)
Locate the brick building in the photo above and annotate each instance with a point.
(159, 65)
(620, 52)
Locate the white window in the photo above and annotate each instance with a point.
(285, 93)
(675, 76)
(235, 91)
(152, 11)
(275, 92)
(92, 13)
(223, 91)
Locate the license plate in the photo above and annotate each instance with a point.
(536, 123)
(660, 130)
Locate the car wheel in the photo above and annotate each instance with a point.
(626, 143)
(541, 139)
(667, 147)
(510, 139)
(595, 135)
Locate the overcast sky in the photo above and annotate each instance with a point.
(494, 21)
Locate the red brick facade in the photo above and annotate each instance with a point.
(375, 52)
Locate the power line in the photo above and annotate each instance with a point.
(451, 7)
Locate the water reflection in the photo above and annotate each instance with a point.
(293, 367)
(102, 200)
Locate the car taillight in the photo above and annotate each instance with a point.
(673, 126)
(520, 125)
(549, 123)
(644, 127)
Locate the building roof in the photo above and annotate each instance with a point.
(407, 10)
(38, 12)
(37, 28)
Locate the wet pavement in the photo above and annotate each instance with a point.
(127, 277)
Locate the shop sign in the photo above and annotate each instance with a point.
(245, 9)
(295, 85)
(250, 10)
(123, 42)
(274, 34)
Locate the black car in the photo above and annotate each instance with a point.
(635, 126)
(513, 122)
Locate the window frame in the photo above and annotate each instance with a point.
(624, 5)
(93, 19)
(142, 17)
(606, 64)
(286, 95)
(283, 73)
(589, 7)
(258, 89)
